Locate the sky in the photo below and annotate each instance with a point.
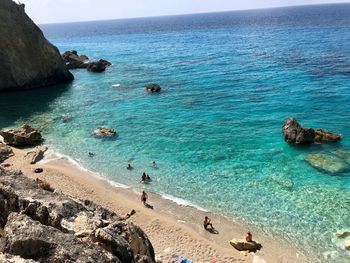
(60, 11)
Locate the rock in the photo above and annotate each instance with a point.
(347, 245)
(50, 227)
(24, 137)
(6, 258)
(74, 61)
(343, 234)
(153, 88)
(326, 163)
(343, 154)
(243, 245)
(326, 136)
(66, 118)
(105, 62)
(28, 60)
(104, 133)
(5, 152)
(35, 155)
(294, 133)
(96, 66)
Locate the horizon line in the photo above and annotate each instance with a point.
(199, 13)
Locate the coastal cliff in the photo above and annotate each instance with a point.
(40, 225)
(28, 59)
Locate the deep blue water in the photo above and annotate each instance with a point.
(229, 82)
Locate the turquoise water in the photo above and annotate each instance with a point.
(229, 82)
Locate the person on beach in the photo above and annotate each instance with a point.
(144, 197)
(249, 237)
(207, 222)
(128, 215)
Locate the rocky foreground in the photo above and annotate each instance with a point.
(28, 59)
(38, 225)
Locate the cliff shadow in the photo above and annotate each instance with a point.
(16, 105)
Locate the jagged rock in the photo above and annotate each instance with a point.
(24, 137)
(326, 163)
(153, 88)
(343, 234)
(5, 152)
(51, 227)
(74, 61)
(105, 62)
(294, 133)
(96, 66)
(35, 155)
(104, 133)
(28, 60)
(243, 245)
(6, 258)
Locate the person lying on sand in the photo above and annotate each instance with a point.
(128, 215)
(207, 222)
(249, 237)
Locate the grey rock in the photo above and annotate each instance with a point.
(5, 152)
(28, 60)
(51, 227)
(104, 133)
(23, 137)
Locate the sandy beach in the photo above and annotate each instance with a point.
(173, 229)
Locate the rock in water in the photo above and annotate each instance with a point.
(243, 245)
(74, 61)
(104, 133)
(28, 60)
(153, 88)
(24, 137)
(294, 133)
(326, 163)
(96, 66)
(5, 152)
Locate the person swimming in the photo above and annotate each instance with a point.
(91, 154)
(129, 167)
(148, 178)
(143, 178)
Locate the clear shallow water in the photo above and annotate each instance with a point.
(229, 81)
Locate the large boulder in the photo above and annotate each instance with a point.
(50, 227)
(294, 133)
(243, 245)
(28, 60)
(5, 152)
(74, 61)
(326, 163)
(23, 137)
(96, 66)
(35, 155)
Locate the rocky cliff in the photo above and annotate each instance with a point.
(39, 225)
(27, 59)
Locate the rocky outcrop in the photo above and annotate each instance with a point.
(327, 163)
(23, 137)
(46, 226)
(104, 133)
(75, 61)
(5, 152)
(35, 155)
(243, 245)
(28, 60)
(294, 133)
(153, 88)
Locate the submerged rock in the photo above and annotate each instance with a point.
(104, 133)
(5, 152)
(153, 88)
(243, 245)
(35, 155)
(294, 133)
(28, 59)
(46, 226)
(343, 154)
(24, 137)
(327, 163)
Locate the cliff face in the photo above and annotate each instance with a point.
(27, 59)
(39, 225)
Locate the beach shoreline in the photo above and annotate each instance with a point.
(173, 229)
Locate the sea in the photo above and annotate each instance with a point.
(229, 81)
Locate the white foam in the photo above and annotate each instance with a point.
(52, 155)
(182, 202)
(116, 85)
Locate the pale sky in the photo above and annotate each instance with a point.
(54, 11)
